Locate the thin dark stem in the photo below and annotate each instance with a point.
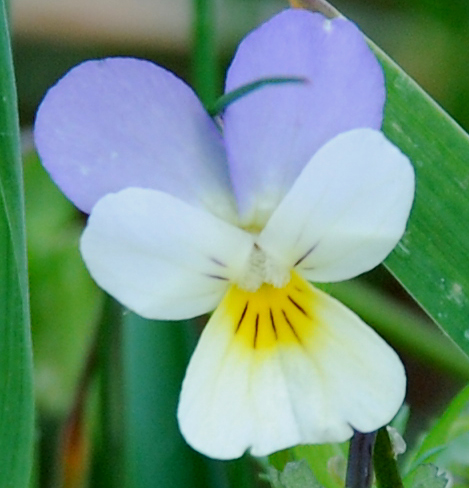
(359, 467)
(74, 447)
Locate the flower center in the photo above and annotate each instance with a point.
(262, 268)
(270, 316)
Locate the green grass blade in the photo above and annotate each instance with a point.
(155, 355)
(439, 434)
(16, 398)
(431, 260)
(384, 462)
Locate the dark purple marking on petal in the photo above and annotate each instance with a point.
(298, 306)
(272, 323)
(256, 331)
(217, 261)
(217, 277)
(242, 318)
(306, 254)
(292, 328)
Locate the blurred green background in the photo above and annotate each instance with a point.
(428, 38)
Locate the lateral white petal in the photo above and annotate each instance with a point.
(364, 376)
(346, 211)
(258, 386)
(159, 256)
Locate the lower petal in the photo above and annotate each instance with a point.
(281, 367)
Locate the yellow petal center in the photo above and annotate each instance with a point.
(272, 316)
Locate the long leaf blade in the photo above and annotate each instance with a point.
(431, 260)
(16, 397)
(154, 357)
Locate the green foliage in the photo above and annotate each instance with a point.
(296, 474)
(439, 435)
(16, 398)
(154, 356)
(386, 470)
(428, 476)
(64, 299)
(326, 461)
(431, 259)
(446, 444)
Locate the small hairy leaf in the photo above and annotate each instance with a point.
(297, 474)
(428, 476)
(439, 435)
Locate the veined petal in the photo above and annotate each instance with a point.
(120, 122)
(273, 132)
(347, 210)
(280, 367)
(161, 257)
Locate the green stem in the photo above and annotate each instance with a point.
(16, 371)
(387, 474)
(108, 459)
(405, 328)
(204, 67)
(230, 97)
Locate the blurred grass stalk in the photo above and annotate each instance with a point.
(204, 56)
(16, 395)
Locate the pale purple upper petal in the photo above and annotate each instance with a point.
(272, 132)
(120, 122)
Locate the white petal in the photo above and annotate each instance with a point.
(346, 211)
(266, 387)
(159, 256)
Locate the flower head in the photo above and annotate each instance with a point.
(299, 186)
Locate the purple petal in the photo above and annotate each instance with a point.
(273, 132)
(122, 122)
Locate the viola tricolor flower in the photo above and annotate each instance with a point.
(298, 186)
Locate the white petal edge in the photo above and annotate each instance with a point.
(159, 256)
(346, 211)
(232, 400)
